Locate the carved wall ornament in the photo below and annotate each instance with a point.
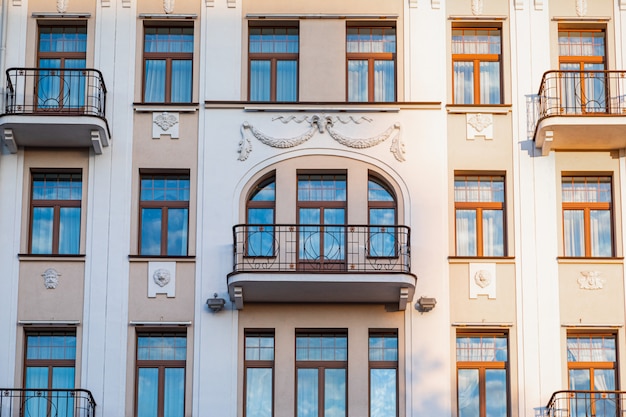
(538, 4)
(162, 277)
(168, 6)
(165, 123)
(479, 125)
(482, 278)
(322, 124)
(435, 4)
(590, 280)
(581, 7)
(480, 121)
(51, 278)
(477, 7)
(166, 120)
(62, 5)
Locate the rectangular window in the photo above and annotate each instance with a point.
(164, 214)
(49, 364)
(383, 364)
(273, 63)
(482, 380)
(582, 61)
(591, 362)
(55, 213)
(259, 374)
(160, 377)
(168, 64)
(587, 216)
(321, 374)
(61, 60)
(479, 213)
(476, 65)
(371, 55)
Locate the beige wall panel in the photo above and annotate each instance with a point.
(587, 306)
(590, 163)
(501, 309)
(285, 319)
(489, 8)
(65, 302)
(156, 6)
(595, 8)
(322, 60)
(323, 6)
(161, 308)
(53, 159)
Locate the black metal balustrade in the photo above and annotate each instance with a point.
(15, 402)
(321, 248)
(587, 404)
(592, 93)
(58, 91)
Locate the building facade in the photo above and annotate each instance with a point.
(276, 208)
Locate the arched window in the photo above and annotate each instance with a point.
(260, 218)
(382, 218)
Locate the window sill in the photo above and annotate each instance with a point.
(161, 258)
(479, 108)
(50, 257)
(481, 259)
(583, 260)
(174, 107)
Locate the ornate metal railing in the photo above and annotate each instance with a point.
(58, 91)
(587, 404)
(591, 93)
(15, 402)
(321, 248)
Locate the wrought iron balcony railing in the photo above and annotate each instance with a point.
(57, 91)
(321, 248)
(591, 93)
(15, 402)
(587, 404)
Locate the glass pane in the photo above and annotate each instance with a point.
(181, 81)
(384, 81)
(259, 347)
(309, 238)
(260, 80)
(493, 233)
(378, 192)
(495, 393)
(161, 347)
(466, 233)
(150, 231)
(286, 80)
(574, 232)
(468, 394)
(174, 392)
(41, 240)
(463, 82)
(382, 240)
(357, 81)
(334, 237)
(260, 238)
(600, 230)
(69, 230)
(490, 83)
(321, 188)
(481, 348)
(177, 227)
(36, 406)
(259, 392)
(147, 392)
(383, 393)
(62, 402)
(154, 82)
(307, 393)
(335, 393)
(579, 379)
(383, 347)
(591, 349)
(266, 191)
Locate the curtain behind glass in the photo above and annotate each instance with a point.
(259, 392)
(466, 233)
(181, 81)
(286, 80)
(493, 233)
(384, 81)
(177, 227)
(335, 393)
(41, 239)
(467, 391)
(357, 81)
(150, 231)
(69, 230)
(307, 393)
(260, 80)
(174, 392)
(463, 82)
(154, 82)
(147, 392)
(489, 83)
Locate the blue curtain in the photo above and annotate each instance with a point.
(357, 81)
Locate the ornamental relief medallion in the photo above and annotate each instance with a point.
(590, 280)
(51, 278)
(321, 124)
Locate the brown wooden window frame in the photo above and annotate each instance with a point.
(258, 363)
(372, 58)
(477, 59)
(48, 363)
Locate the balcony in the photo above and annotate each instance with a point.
(587, 403)
(581, 110)
(292, 263)
(54, 108)
(15, 402)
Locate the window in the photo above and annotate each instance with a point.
(383, 364)
(587, 216)
(482, 381)
(382, 219)
(273, 60)
(582, 59)
(61, 60)
(160, 378)
(479, 212)
(164, 219)
(168, 62)
(591, 362)
(321, 371)
(476, 60)
(371, 55)
(322, 216)
(50, 364)
(259, 374)
(260, 212)
(55, 212)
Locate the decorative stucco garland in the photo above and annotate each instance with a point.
(321, 124)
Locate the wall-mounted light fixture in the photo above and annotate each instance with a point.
(215, 304)
(425, 304)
